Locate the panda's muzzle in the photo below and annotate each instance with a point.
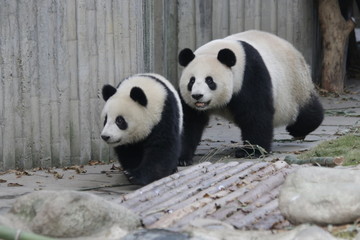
(197, 96)
(107, 138)
(199, 104)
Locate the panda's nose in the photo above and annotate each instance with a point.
(197, 96)
(105, 138)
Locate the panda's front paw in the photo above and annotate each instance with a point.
(133, 178)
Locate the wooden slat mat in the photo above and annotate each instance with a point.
(243, 194)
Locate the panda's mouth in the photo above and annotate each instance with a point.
(202, 104)
(114, 142)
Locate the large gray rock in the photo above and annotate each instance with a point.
(321, 196)
(70, 214)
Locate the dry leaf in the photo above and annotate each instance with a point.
(78, 169)
(113, 167)
(58, 175)
(206, 195)
(94, 162)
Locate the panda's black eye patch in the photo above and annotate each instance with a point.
(105, 120)
(191, 83)
(210, 82)
(121, 123)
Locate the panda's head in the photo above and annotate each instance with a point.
(207, 79)
(129, 114)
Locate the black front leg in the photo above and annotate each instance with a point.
(158, 161)
(257, 132)
(194, 124)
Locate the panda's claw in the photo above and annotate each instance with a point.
(133, 179)
(184, 163)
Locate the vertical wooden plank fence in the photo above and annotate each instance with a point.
(56, 55)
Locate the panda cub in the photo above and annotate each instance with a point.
(143, 123)
(255, 79)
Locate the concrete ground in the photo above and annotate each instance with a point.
(342, 114)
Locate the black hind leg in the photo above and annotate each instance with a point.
(310, 117)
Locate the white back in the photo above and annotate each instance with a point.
(291, 78)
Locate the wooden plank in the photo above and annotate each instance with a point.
(54, 93)
(83, 81)
(92, 26)
(200, 181)
(102, 75)
(17, 75)
(121, 39)
(8, 151)
(268, 16)
(27, 66)
(237, 13)
(136, 36)
(2, 91)
(289, 21)
(171, 41)
(109, 68)
(14, 66)
(282, 18)
(45, 80)
(252, 14)
(72, 54)
(220, 19)
(273, 15)
(147, 36)
(186, 23)
(147, 190)
(203, 22)
(307, 24)
(253, 216)
(63, 84)
(35, 103)
(249, 182)
(157, 42)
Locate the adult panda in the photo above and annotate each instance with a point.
(143, 123)
(255, 79)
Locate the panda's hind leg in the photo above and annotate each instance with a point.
(310, 117)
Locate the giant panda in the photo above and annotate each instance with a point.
(255, 79)
(143, 123)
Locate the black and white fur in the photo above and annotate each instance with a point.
(143, 123)
(255, 79)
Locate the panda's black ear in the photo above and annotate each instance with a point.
(227, 57)
(138, 95)
(186, 56)
(108, 91)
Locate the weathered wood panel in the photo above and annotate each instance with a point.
(54, 58)
(292, 20)
(56, 55)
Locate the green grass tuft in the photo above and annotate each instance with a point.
(347, 146)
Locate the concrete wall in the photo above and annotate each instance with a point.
(55, 55)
